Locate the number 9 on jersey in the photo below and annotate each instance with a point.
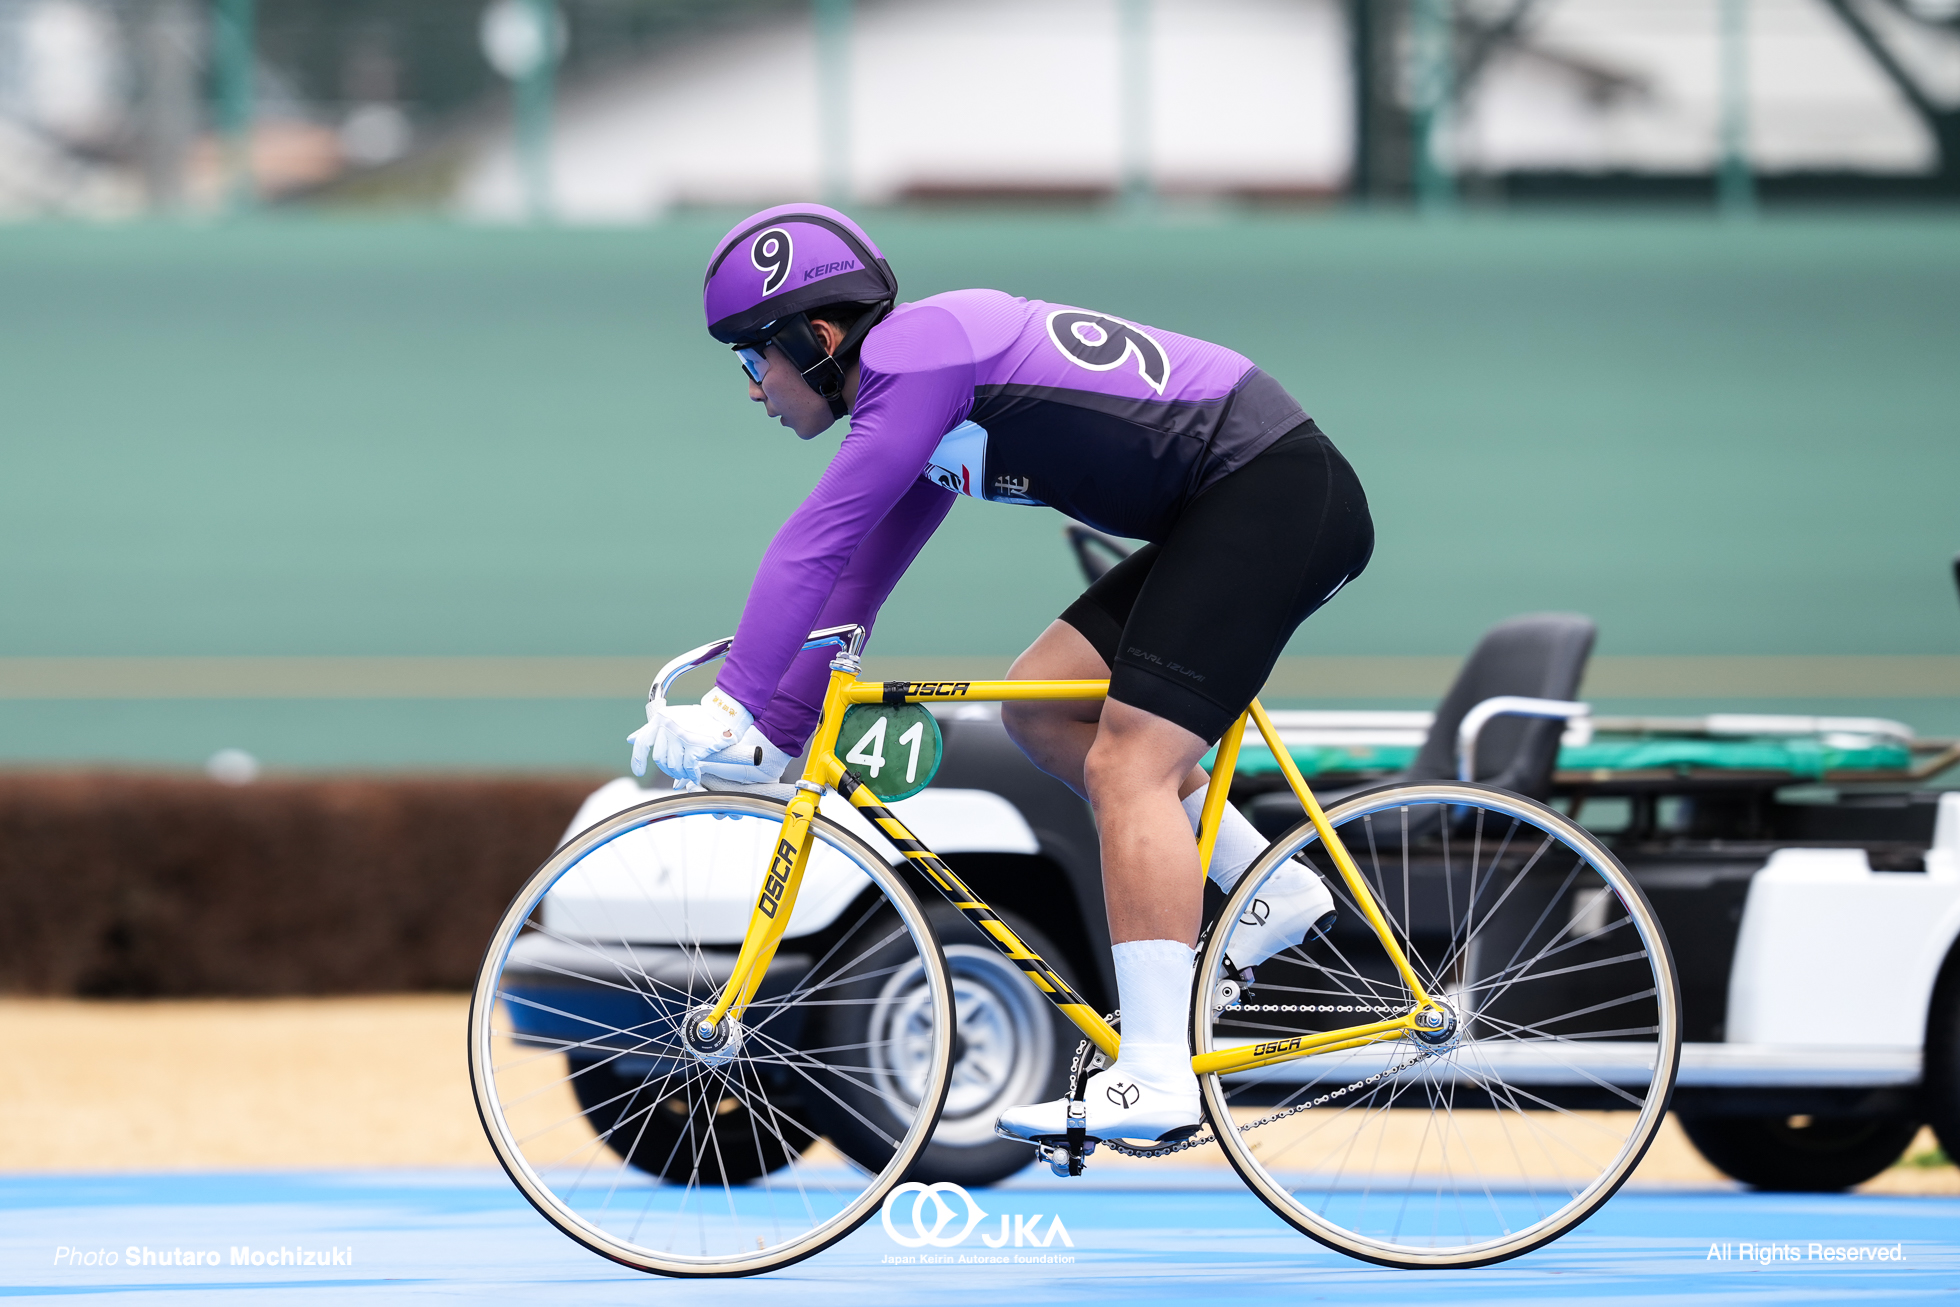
(893, 750)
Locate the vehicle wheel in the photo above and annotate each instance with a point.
(1941, 1093)
(716, 1138)
(609, 955)
(1011, 1047)
(1524, 1112)
(1800, 1154)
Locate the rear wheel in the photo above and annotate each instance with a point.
(643, 1142)
(1531, 1104)
(1800, 1154)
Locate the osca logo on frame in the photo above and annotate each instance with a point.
(934, 1221)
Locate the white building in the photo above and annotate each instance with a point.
(1244, 96)
(952, 95)
(1636, 84)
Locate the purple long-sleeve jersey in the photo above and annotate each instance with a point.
(978, 393)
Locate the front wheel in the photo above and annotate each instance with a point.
(1536, 1097)
(676, 1156)
(655, 1134)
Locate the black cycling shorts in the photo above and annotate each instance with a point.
(1191, 627)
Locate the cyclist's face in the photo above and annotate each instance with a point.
(791, 400)
(788, 398)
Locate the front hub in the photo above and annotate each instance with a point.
(711, 1042)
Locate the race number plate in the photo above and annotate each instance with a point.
(893, 750)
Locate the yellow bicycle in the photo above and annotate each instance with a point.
(714, 1031)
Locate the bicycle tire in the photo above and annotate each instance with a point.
(615, 944)
(1561, 1056)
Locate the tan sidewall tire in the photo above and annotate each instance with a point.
(539, 1194)
(1237, 1146)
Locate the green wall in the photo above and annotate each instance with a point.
(288, 438)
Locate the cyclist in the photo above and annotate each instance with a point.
(1253, 518)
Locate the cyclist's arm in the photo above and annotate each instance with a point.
(916, 385)
(859, 593)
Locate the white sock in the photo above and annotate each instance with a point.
(1153, 987)
(1239, 841)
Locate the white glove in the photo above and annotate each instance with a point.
(752, 760)
(679, 736)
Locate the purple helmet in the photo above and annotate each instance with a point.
(785, 260)
(775, 266)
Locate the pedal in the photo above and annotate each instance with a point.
(1061, 1162)
(1078, 1120)
(1065, 1157)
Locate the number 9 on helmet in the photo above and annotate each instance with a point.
(775, 266)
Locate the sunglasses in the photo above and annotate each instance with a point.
(753, 362)
(801, 346)
(751, 354)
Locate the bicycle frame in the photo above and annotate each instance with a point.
(770, 917)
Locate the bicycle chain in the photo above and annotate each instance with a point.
(1199, 1141)
(1084, 1051)
(1386, 1011)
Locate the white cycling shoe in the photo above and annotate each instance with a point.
(1118, 1106)
(1293, 901)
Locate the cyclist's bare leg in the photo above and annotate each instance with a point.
(1057, 735)
(1132, 771)
(1136, 771)
(1140, 773)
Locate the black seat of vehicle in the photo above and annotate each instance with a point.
(1542, 655)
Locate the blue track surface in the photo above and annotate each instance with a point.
(1188, 1238)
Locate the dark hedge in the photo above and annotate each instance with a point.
(131, 885)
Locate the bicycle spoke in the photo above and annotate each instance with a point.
(1518, 923)
(723, 1157)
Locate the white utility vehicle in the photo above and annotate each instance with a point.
(1806, 875)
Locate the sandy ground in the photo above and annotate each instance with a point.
(363, 1082)
(91, 1086)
